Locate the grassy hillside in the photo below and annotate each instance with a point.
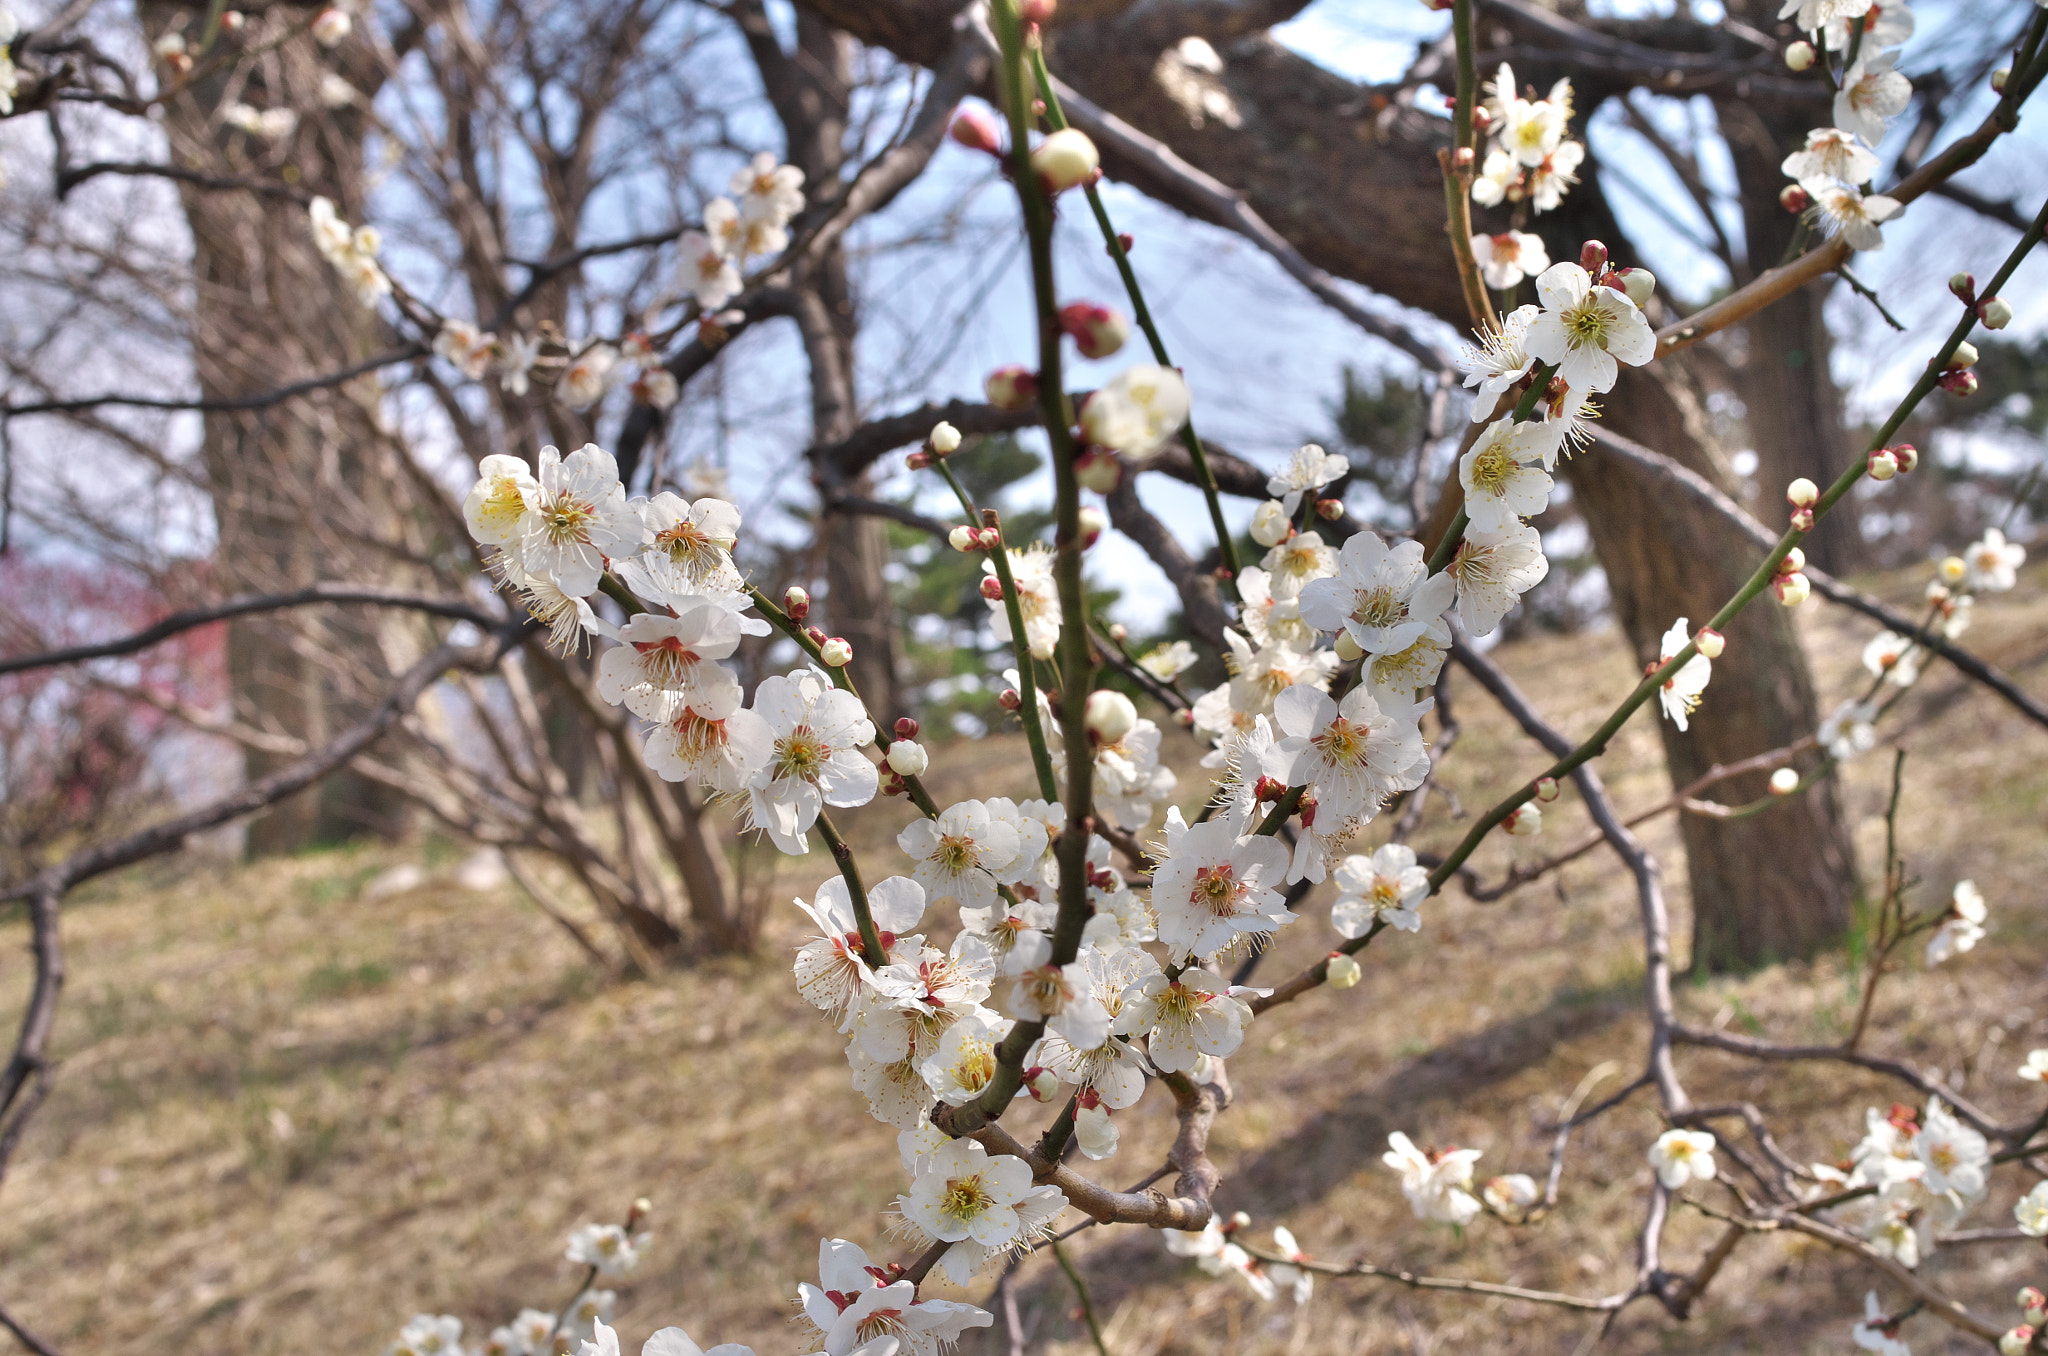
(292, 1111)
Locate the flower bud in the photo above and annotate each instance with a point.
(1037, 11)
(1937, 592)
(1341, 971)
(1093, 521)
(1041, 1083)
(1268, 788)
(233, 20)
(1883, 465)
(1802, 520)
(1546, 789)
(907, 758)
(1184, 718)
(1710, 642)
(892, 785)
(2033, 1305)
(1098, 469)
(1329, 510)
(1964, 285)
(1802, 493)
(1097, 331)
(1964, 356)
(1907, 456)
(1463, 157)
(1009, 699)
(817, 637)
(990, 538)
(1995, 312)
(1125, 241)
(836, 653)
(1349, 650)
(1962, 383)
(919, 460)
(1524, 821)
(906, 727)
(1793, 563)
(1799, 56)
(1306, 808)
(796, 603)
(331, 25)
(1269, 524)
(1011, 388)
(1065, 159)
(1784, 781)
(992, 588)
(977, 131)
(1109, 716)
(945, 438)
(2016, 1341)
(1639, 283)
(1593, 257)
(1952, 569)
(1794, 199)
(1998, 79)
(963, 538)
(1119, 633)
(1793, 589)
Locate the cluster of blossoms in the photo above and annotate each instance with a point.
(1926, 1173)
(1531, 160)
(352, 252)
(1829, 173)
(755, 227)
(605, 1250)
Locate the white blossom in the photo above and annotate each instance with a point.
(2035, 1070)
(1309, 469)
(1112, 1068)
(1503, 474)
(1682, 1156)
(958, 854)
(496, 505)
(1436, 1183)
(1963, 928)
(961, 1194)
(1831, 153)
(1296, 562)
(608, 1247)
(815, 760)
(1849, 730)
(964, 1064)
(577, 519)
(1136, 411)
(662, 662)
(516, 357)
(1492, 570)
(1872, 92)
(854, 1305)
(1505, 259)
(2031, 1212)
(911, 1002)
(1387, 886)
(1992, 563)
(1892, 657)
(830, 970)
(1184, 1019)
(1498, 360)
(767, 190)
(708, 736)
(1064, 998)
(1038, 600)
(1169, 661)
(1957, 1158)
(1384, 599)
(1679, 694)
(705, 271)
(1854, 217)
(1877, 1332)
(1215, 886)
(1354, 754)
(1586, 329)
(467, 347)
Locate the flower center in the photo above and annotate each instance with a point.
(1217, 890)
(687, 544)
(956, 853)
(697, 738)
(567, 519)
(503, 502)
(1377, 606)
(1177, 1003)
(966, 1198)
(800, 754)
(1492, 469)
(1342, 743)
(1384, 894)
(976, 1065)
(1586, 324)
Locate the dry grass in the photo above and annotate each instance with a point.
(288, 1116)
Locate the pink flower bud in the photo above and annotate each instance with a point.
(1799, 56)
(1099, 470)
(977, 131)
(1882, 464)
(1995, 312)
(1964, 285)
(1907, 455)
(1184, 718)
(892, 785)
(2033, 1305)
(1329, 510)
(1802, 520)
(1794, 199)
(906, 727)
(1593, 257)
(1793, 589)
(963, 538)
(1784, 781)
(1041, 1084)
(1119, 633)
(1011, 388)
(1341, 971)
(1959, 383)
(2016, 1341)
(1802, 493)
(1096, 330)
(1524, 821)
(1546, 789)
(1481, 118)
(1710, 642)
(990, 538)
(1093, 522)
(331, 25)
(1306, 807)
(1125, 241)
(1009, 699)
(992, 588)
(233, 20)
(1462, 157)
(1110, 716)
(919, 460)
(1037, 11)
(1793, 563)
(1268, 788)
(817, 637)
(796, 603)
(1065, 159)
(836, 653)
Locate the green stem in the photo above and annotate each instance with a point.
(1597, 743)
(1204, 476)
(1457, 178)
(870, 940)
(1087, 1304)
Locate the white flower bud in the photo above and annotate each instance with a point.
(1799, 56)
(1526, 821)
(331, 26)
(1794, 589)
(836, 652)
(1269, 523)
(963, 538)
(1710, 642)
(1546, 789)
(1640, 284)
(1110, 715)
(1952, 569)
(1802, 493)
(1883, 465)
(1784, 781)
(1118, 632)
(2016, 1341)
(1342, 971)
(1999, 77)
(944, 438)
(1964, 356)
(907, 758)
(1042, 1084)
(1995, 312)
(2033, 1305)
(1093, 523)
(1064, 159)
(1793, 563)
(1349, 650)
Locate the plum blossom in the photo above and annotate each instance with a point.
(1505, 259)
(661, 662)
(1216, 1255)
(1849, 730)
(1038, 600)
(964, 1064)
(1296, 562)
(1963, 928)
(429, 1335)
(1679, 694)
(1387, 887)
(2031, 1212)
(1129, 777)
(1831, 153)
(1298, 1280)
(960, 1194)
(1168, 661)
(1853, 216)
(689, 552)
(768, 190)
(1871, 94)
(1586, 329)
(958, 854)
(1395, 679)
(496, 505)
(1892, 657)
(577, 519)
(1992, 563)
(708, 736)
(1879, 1331)
(1184, 1020)
(1498, 360)
(2035, 1070)
(676, 1342)
(1492, 570)
(1436, 1183)
(467, 347)
(607, 1247)
(817, 732)
(1682, 1156)
(1136, 411)
(830, 970)
(1383, 599)
(1215, 886)
(1957, 1158)
(911, 1002)
(1354, 754)
(854, 1304)
(1111, 1068)
(588, 375)
(1310, 468)
(1503, 474)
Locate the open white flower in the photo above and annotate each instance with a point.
(1871, 94)
(1505, 259)
(2035, 1070)
(705, 271)
(1849, 214)
(1886, 24)
(1849, 730)
(1136, 411)
(959, 1192)
(1586, 329)
(1511, 1193)
(1386, 886)
(1384, 599)
(1964, 926)
(1396, 679)
(1038, 600)
(854, 1305)
(690, 548)
(911, 1002)
(1296, 562)
(1310, 468)
(496, 506)
(1498, 360)
(1169, 661)
(1298, 1280)
(608, 1247)
(1546, 184)
(2031, 1212)
(1682, 1156)
(708, 736)
(1831, 153)
(1680, 693)
(1991, 565)
(964, 1064)
(588, 376)
(1063, 997)
(815, 760)
(1353, 754)
(676, 1342)
(1879, 1331)
(768, 189)
(958, 854)
(830, 970)
(464, 345)
(578, 517)
(1216, 1255)
(1184, 1020)
(1129, 777)
(663, 662)
(1958, 1159)
(430, 1335)
(1492, 570)
(1503, 474)
(1216, 886)
(516, 356)
(1436, 1183)
(1112, 1068)
(1892, 657)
